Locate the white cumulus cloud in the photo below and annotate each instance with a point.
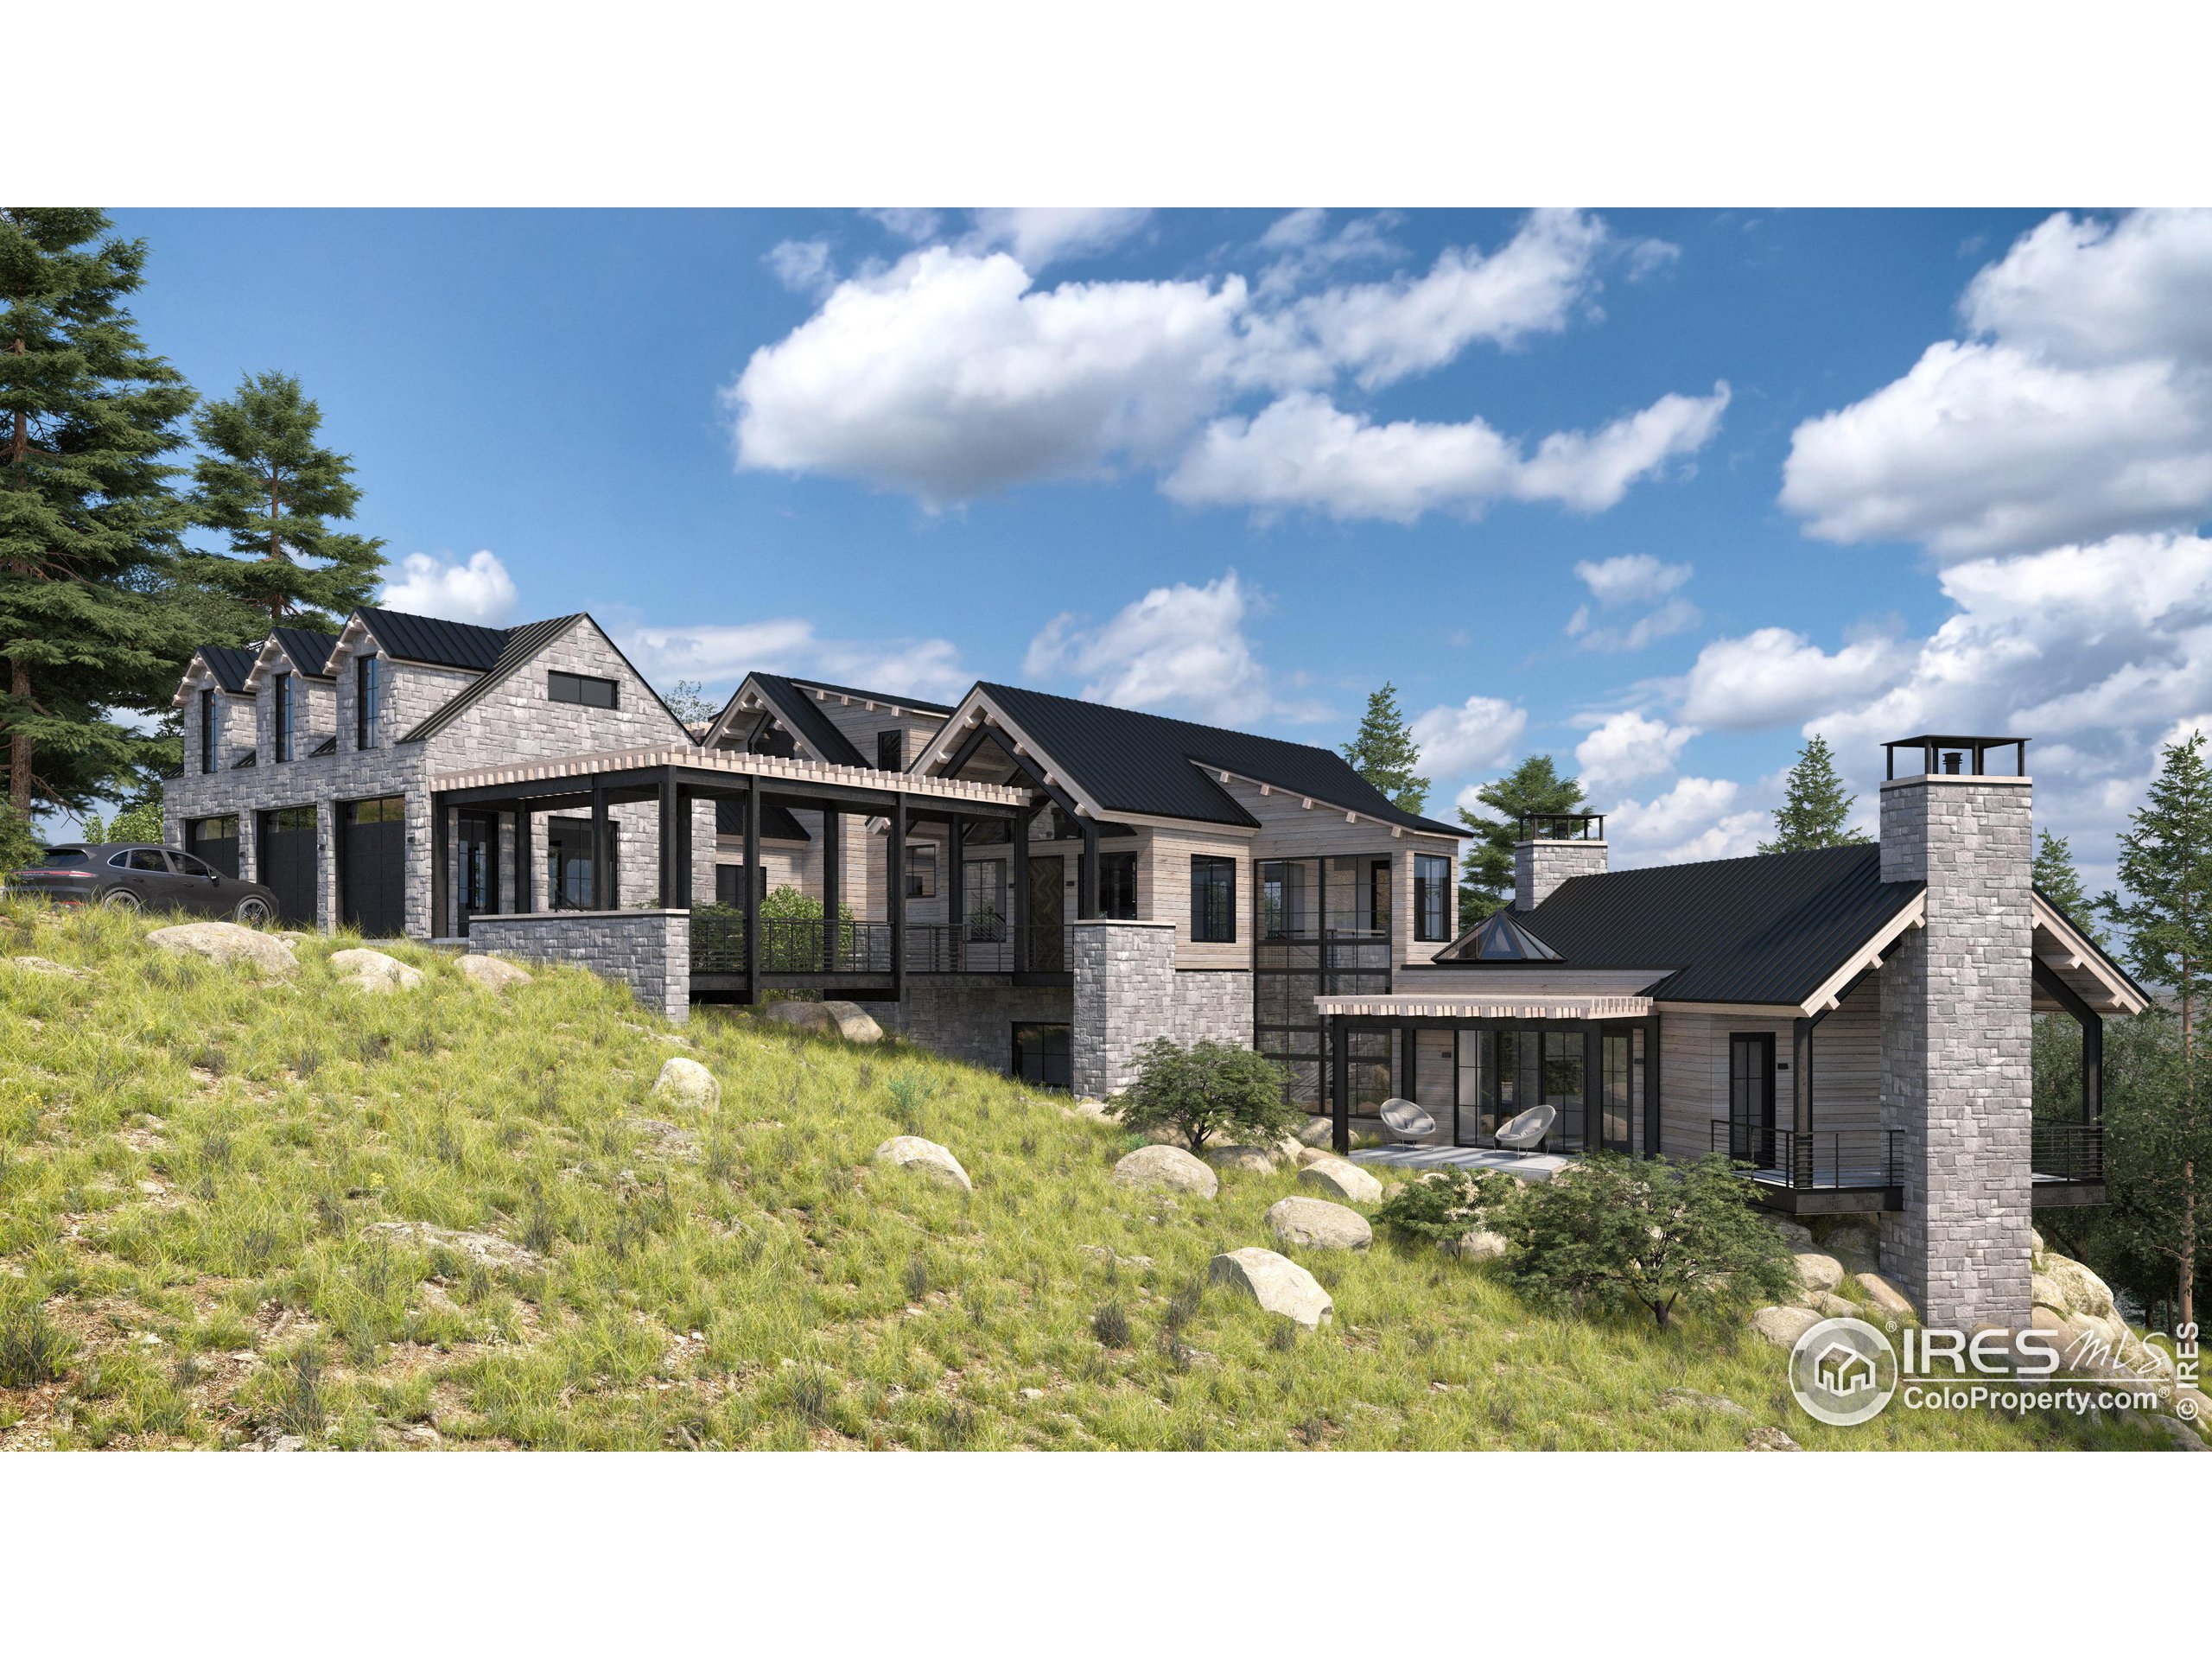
(1038, 236)
(1476, 735)
(477, 590)
(2078, 405)
(1775, 675)
(1698, 818)
(719, 655)
(1613, 620)
(1179, 649)
(1626, 747)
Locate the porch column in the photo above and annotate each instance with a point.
(1409, 1065)
(1019, 905)
(442, 925)
(749, 893)
(1652, 1116)
(1339, 1085)
(956, 890)
(833, 884)
(599, 896)
(1593, 1086)
(896, 864)
(671, 882)
(1086, 889)
(2093, 1068)
(684, 802)
(1800, 1099)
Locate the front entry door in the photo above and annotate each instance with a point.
(1750, 1097)
(1048, 914)
(477, 873)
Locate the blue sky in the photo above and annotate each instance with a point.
(1655, 492)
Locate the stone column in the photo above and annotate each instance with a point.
(1542, 864)
(1124, 997)
(1957, 1080)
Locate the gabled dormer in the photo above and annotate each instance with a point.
(840, 725)
(218, 709)
(294, 695)
(393, 669)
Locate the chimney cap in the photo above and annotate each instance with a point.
(1562, 826)
(1935, 749)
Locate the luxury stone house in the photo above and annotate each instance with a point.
(1039, 884)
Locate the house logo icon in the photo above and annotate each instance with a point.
(1843, 1371)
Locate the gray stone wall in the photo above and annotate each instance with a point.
(971, 1017)
(1127, 992)
(1541, 865)
(649, 950)
(1956, 1042)
(517, 719)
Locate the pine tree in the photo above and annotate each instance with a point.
(1814, 811)
(88, 525)
(2057, 879)
(2166, 865)
(271, 489)
(1384, 752)
(1487, 872)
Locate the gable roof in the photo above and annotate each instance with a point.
(230, 664)
(1770, 928)
(433, 640)
(800, 712)
(518, 646)
(308, 648)
(898, 699)
(1151, 764)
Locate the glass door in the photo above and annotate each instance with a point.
(1750, 1097)
(477, 866)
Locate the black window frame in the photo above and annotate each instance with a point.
(1432, 898)
(562, 686)
(729, 884)
(207, 730)
(368, 697)
(921, 869)
(1213, 900)
(1117, 886)
(280, 686)
(891, 750)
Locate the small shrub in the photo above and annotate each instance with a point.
(1447, 1203)
(1208, 1089)
(918, 1277)
(908, 1089)
(1614, 1232)
(32, 1349)
(1110, 1324)
(303, 1408)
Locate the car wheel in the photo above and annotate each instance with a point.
(120, 899)
(254, 913)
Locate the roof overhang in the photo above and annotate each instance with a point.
(1313, 803)
(266, 664)
(977, 710)
(753, 701)
(1400, 1008)
(200, 674)
(1830, 994)
(2091, 975)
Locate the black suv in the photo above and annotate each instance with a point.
(140, 875)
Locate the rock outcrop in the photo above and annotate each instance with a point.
(491, 973)
(372, 970)
(1339, 1179)
(1167, 1169)
(1276, 1282)
(687, 1082)
(925, 1158)
(1319, 1224)
(228, 944)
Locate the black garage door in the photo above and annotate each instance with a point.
(285, 862)
(372, 865)
(214, 842)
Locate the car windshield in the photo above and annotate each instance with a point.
(63, 857)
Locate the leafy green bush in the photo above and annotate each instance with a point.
(1448, 1202)
(1614, 1231)
(1207, 1089)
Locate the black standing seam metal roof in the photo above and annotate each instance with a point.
(520, 646)
(433, 640)
(1769, 929)
(230, 664)
(309, 649)
(1133, 762)
(797, 709)
(898, 697)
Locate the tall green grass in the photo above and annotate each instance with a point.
(194, 1167)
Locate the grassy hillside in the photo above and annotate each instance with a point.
(219, 1198)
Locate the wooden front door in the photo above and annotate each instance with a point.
(1048, 914)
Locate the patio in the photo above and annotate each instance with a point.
(1528, 1166)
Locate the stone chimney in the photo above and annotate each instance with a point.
(1957, 1079)
(1556, 847)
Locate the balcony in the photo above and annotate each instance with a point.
(853, 955)
(2068, 1161)
(1821, 1172)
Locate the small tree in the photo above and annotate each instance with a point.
(689, 701)
(1615, 1231)
(1815, 811)
(1384, 752)
(1207, 1089)
(1447, 1203)
(2057, 879)
(1486, 873)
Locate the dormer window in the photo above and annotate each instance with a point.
(368, 694)
(282, 711)
(207, 730)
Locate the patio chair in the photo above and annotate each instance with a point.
(1406, 1120)
(1527, 1132)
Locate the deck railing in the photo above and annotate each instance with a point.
(1817, 1161)
(2071, 1153)
(807, 946)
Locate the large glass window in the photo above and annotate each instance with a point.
(283, 711)
(368, 695)
(921, 869)
(1283, 910)
(891, 750)
(568, 856)
(1117, 886)
(986, 899)
(1432, 897)
(1213, 900)
(207, 731)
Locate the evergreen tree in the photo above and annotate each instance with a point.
(2166, 865)
(1814, 811)
(272, 490)
(1486, 871)
(88, 525)
(2057, 879)
(1384, 752)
